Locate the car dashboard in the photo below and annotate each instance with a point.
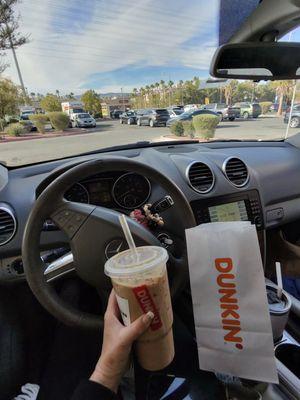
(256, 181)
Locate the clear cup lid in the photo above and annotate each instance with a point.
(276, 305)
(126, 262)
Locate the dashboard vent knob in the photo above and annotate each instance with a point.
(8, 225)
(236, 171)
(200, 177)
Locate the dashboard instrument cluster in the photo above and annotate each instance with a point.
(114, 190)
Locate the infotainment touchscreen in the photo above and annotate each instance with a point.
(235, 211)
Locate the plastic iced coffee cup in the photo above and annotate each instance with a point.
(141, 284)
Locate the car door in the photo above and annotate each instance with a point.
(139, 115)
(146, 117)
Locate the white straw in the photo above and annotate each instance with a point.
(279, 280)
(128, 234)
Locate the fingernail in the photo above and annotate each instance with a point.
(148, 317)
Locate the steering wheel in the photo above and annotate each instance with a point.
(90, 229)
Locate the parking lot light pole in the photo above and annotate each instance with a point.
(291, 111)
(123, 99)
(17, 65)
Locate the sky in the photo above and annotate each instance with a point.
(107, 45)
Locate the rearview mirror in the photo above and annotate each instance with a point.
(257, 61)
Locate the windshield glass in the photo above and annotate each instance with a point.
(70, 61)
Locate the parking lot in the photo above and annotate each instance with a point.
(112, 133)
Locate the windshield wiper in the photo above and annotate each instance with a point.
(138, 145)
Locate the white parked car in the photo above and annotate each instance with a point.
(83, 120)
(191, 107)
(175, 111)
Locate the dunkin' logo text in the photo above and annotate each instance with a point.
(147, 304)
(228, 302)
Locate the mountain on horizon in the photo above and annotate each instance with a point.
(110, 94)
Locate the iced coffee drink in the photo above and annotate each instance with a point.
(141, 284)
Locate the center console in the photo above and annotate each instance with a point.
(245, 206)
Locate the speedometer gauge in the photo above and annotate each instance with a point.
(77, 193)
(131, 190)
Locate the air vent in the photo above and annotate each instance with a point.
(8, 225)
(200, 177)
(236, 171)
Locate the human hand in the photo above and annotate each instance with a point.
(117, 343)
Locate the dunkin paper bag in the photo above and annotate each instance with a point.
(233, 327)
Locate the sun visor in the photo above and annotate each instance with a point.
(233, 14)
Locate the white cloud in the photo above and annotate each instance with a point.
(147, 32)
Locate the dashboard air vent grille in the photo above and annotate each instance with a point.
(8, 225)
(200, 177)
(236, 171)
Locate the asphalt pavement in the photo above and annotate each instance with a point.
(111, 133)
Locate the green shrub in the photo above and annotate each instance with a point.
(3, 124)
(59, 120)
(265, 106)
(205, 125)
(11, 119)
(97, 115)
(39, 120)
(16, 129)
(189, 129)
(177, 128)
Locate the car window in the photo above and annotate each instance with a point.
(161, 111)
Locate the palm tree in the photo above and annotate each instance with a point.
(170, 85)
(283, 91)
(181, 90)
(147, 92)
(229, 91)
(152, 87)
(163, 86)
(142, 92)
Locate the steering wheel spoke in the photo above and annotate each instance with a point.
(71, 216)
(59, 267)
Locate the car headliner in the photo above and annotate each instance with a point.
(233, 14)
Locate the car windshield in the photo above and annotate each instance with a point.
(64, 57)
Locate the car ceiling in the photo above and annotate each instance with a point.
(233, 14)
(257, 20)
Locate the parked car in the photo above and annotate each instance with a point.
(188, 116)
(249, 110)
(295, 118)
(225, 111)
(115, 114)
(275, 106)
(153, 117)
(83, 120)
(175, 111)
(29, 125)
(24, 116)
(190, 107)
(128, 117)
